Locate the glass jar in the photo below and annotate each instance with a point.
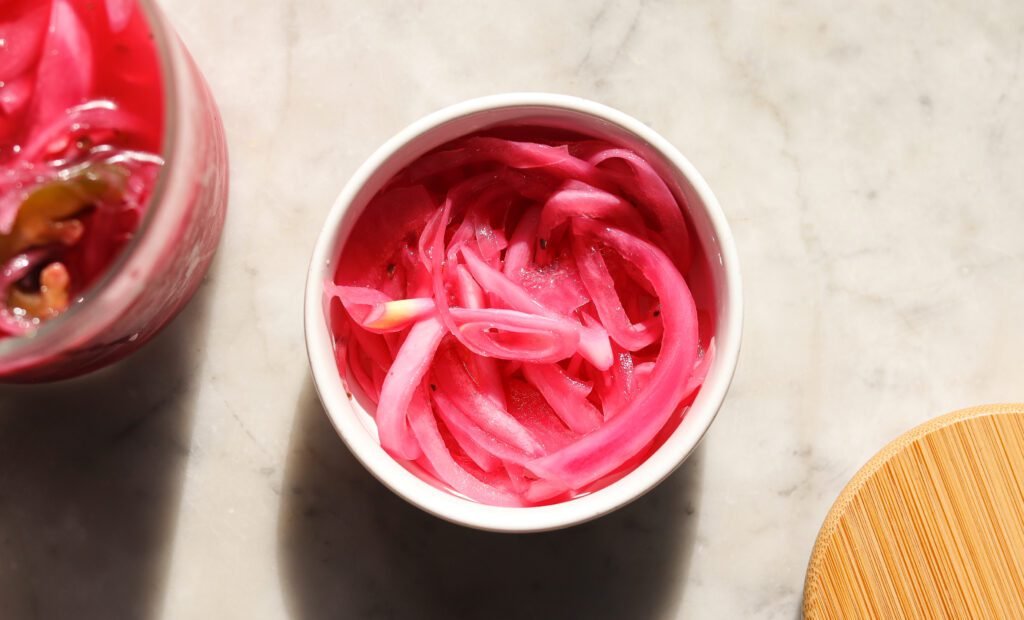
(162, 266)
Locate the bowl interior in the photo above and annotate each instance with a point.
(357, 426)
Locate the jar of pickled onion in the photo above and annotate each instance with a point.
(113, 183)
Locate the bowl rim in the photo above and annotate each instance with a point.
(446, 505)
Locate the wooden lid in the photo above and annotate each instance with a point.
(931, 527)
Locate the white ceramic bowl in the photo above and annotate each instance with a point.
(357, 427)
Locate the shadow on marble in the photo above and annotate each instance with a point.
(349, 548)
(90, 480)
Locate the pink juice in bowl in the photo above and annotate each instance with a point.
(113, 182)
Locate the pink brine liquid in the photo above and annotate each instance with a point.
(81, 131)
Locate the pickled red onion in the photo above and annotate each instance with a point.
(623, 436)
(522, 317)
(81, 121)
(119, 12)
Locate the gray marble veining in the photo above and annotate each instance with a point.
(868, 156)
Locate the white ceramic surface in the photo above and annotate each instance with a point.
(710, 232)
(869, 157)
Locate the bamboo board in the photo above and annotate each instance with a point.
(931, 527)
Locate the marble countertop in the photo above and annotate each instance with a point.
(868, 157)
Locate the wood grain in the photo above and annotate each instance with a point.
(931, 527)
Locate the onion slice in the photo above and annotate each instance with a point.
(410, 366)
